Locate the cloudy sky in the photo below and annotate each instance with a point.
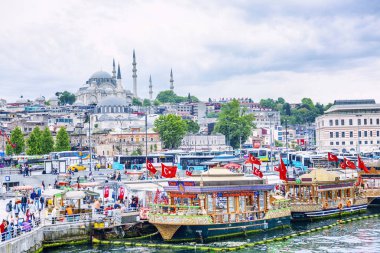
(323, 49)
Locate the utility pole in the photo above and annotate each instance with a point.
(286, 141)
(270, 131)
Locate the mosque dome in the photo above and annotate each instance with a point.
(100, 74)
(112, 101)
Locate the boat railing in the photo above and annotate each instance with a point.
(176, 209)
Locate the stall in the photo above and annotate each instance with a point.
(53, 198)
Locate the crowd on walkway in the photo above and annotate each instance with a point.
(22, 214)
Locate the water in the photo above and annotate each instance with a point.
(357, 236)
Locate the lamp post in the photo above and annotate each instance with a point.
(119, 119)
(358, 144)
(89, 137)
(270, 115)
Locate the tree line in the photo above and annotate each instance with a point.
(299, 113)
(39, 142)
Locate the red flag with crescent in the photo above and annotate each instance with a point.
(253, 160)
(121, 192)
(168, 171)
(257, 172)
(106, 192)
(349, 164)
(331, 157)
(362, 166)
(150, 167)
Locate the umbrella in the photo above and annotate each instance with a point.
(232, 166)
(23, 188)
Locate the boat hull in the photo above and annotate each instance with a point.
(212, 232)
(374, 202)
(328, 213)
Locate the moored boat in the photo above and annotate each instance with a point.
(323, 194)
(216, 204)
(370, 183)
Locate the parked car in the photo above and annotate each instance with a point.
(77, 167)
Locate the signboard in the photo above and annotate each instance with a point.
(183, 183)
(7, 178)
(62, 166)
(48, 167)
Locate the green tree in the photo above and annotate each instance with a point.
(278, 143)
(65, 97)
(234, 123)
(192, 126)
(17, 138)
(136, 102)
(34, 142)
(172, 129)
(156, 102)
(146, 102)
(47, 141)
(168, 96)
(286, 109)
(62, 142)
(268, 103)
(8, 149)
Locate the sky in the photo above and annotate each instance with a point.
(322, 49)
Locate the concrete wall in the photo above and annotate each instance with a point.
(34, 240)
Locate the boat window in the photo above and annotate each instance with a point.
(263, 153)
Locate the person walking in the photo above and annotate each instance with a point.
(43, 185)
(53, 215)
(118, 177)
(8, 208)
(24, 201)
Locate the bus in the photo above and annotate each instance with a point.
(193, 162)
(263, 154)
(84, 155)
(137, 162)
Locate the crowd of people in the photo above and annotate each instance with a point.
(22, 214)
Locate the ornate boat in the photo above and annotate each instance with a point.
(370, 183)
(218, 204)
(323, 194)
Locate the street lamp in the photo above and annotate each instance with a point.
(358, 145)
(120, 120)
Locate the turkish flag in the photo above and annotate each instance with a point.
(121, 193)
(106, 192)
(150, 167)
(189, 173)
(276, 168)
(257, 172)
(343, 165)
(156, 196)
(361, 165)
(253, 160)
(283, 170)
(331, 157)
(168, 172)
(349, 164)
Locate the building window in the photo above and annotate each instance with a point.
(330, 122)
(359, 122)
(336, 134)
(365, 121)
(370, 133)
(378, 142)
(351, 134)
(360, 142)
(336, 122)
(350, 122)
(360, 134)
(377, 133)
(342, 122)
(343, 143)
(371, 142)
(365, 133)
(343, 134)
(366, 142)
(370, 121)
(337, 143)
(377, 121)
(331, 135)
(331, 143)
(351, 143)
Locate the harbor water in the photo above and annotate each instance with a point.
(357, 236)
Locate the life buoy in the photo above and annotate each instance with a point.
(325, 205)
(348, 203)
(340, 206)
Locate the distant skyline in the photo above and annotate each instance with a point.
(322, 49)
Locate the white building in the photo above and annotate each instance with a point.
(197, 142)
(349, 125)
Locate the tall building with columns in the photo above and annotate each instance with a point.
(349, 126)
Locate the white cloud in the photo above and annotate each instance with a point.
(216, 48)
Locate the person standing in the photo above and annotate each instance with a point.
(8, 208)
(24, 201)
(43, 185)
(53, 215)
(4, 191)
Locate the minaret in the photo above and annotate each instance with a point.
(118, 81)
(113, 69)
(134, 70)
(150, 88)
(171, 80)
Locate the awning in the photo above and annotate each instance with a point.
(75, 195)
(51, 193)
(23, 188)
(143, 187)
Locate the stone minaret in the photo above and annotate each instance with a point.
(150, 88)
(118, 80)
(171, 80)
(134, 70)
(113, 69)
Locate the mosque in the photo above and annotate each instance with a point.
(102, 86)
